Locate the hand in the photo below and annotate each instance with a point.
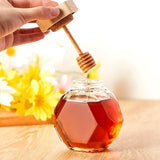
(16, 13)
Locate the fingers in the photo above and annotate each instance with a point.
(27, 36)
(32, 3)
(38, 13)
(21, 36)
(28, 31)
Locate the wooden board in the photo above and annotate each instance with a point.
(12, 119)
(138, 139)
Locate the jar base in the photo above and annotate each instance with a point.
(87, 149)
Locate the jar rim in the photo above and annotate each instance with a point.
(87, 82)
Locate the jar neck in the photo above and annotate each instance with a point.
(87, 91)
(87, 83)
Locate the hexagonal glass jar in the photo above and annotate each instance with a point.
(88, 117)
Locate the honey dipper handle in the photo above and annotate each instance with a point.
(72, 40)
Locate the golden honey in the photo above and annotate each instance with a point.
(87, 119)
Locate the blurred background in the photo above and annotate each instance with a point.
(124, 35)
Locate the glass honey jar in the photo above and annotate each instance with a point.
(88, 116)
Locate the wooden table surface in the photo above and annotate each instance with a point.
(139, 138)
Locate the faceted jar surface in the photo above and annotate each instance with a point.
(88, 117)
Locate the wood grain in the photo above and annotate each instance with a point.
(12, 119)
(138, 140)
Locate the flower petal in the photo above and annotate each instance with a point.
(43, 115)
(29, 111)
(35, 86)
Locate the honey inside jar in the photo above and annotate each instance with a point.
(87, 120)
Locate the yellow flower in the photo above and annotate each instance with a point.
(42, 99)
(94, 74)
(34, 72)
(11, 51)
(34, 94)
(21, 104)
(12, 77)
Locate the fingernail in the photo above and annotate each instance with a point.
(55, 12)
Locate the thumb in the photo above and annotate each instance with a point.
(39, 13)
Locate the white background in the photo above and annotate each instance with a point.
(124, 35)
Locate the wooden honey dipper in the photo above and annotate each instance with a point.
(67, 8)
